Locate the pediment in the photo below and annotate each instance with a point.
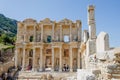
(29, 20)
(65, 21)
(46, 21)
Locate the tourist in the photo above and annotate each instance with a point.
(64, 67)
(67, 68)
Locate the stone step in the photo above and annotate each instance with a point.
(116, 71)
(115, 76)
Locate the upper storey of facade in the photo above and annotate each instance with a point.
(47, 31)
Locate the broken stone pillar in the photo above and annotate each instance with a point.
(91, 22)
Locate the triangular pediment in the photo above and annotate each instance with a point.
(29, 20)
(46, 21)
(65, 21)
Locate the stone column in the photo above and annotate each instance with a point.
(71, 60)
(52, 59)
(53, 32)
(41, 32)
(70, 32)
(25, 34)
(33, 66)
(61, 33)
(16, 57)
(78, 64)
(34, 33)
(91, 22)
(60, 60)
(79, 30)
(41, 59)
(23, 62)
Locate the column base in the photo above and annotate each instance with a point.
(71, 70)
(40, 70)
(60, 70)
(33, 69)
(52, 70)
(22, 70)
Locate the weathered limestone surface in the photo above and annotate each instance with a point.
(102, 42)
(90, 47)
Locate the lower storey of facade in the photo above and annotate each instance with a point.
(60, 57)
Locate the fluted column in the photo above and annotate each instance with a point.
(61, 33)
(23, 61)
(34, 33)
(41, 59)
(71, 60)
(25, 33)
(79, 30)
(78, 59)
(41, 32)
(60, 60)
(70, 32)
(33, 66)
(52, 59)
(53, 32)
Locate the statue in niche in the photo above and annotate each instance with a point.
(48, 61)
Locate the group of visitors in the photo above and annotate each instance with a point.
(65, 68)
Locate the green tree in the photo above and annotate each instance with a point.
(5, 39)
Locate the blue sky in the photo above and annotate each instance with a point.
(107, 13)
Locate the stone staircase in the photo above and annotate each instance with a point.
(47, 76)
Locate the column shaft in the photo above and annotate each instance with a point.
(61, 33)
(52, 59)
(70, 32)
(71, 60)
(33, 66)
(41, 59)
(53, 32)
(42, 33)
(78, 59)
(60, 60)
(34, 33)
(25, 34)
(23, 62)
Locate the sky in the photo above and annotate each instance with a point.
(107, 13)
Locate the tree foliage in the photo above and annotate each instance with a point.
(5, 39)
